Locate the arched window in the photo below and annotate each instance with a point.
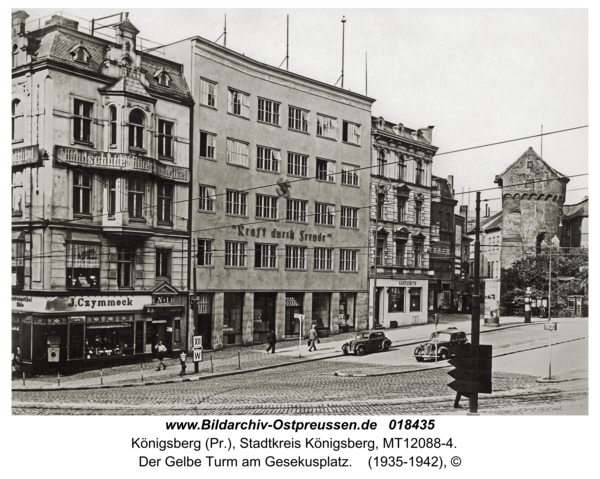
(112, 111)
(420, 173)
(17, 120)
(401, 168)
(15, 56)
(136, 129)
(381, 162)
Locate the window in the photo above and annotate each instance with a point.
(235, 254)
(325, 170)
(82, 193)
(163, 78)
(208, 93)
(205, 252)
(136, 129)
(112, 113)
(324, 214)
(136, 198)
(18, 264)
(297, 165)
(321, 310)
(268, 111)
(266, 207)
(267, 159)
(15, 56)
(348, 260)
(381, 163)
(207, 197)
(295, 257)
(237, 153)
(296, 211)
(83, 265)
(265, 256)
(17, 192)
(349, 217)
(418, 212)
(163, 260)
(80, 55)
(233, 307)
(380, 205)
(236, 204)
(298, 119)
(165, 138)
(349, 175)
(415, 299)
(126, 258)
(323, 259)
(165, 198)
(17, 120)
(208, 142)
(351, 133)
(448, 222)
(82, 121)
(327, 126)
(239, 103)
(112, 196)
(401, 200)
(396, 300)
(380, 252)
(401, 168)
(418, 254)
(400, 253)
(420, 173)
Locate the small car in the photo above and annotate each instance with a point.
(442, 343)
(367, 342)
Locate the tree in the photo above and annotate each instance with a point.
(569, 276)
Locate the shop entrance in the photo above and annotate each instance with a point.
(264, 315)
(293, 306)
(378, 315)
(159, 330)
(204, 324)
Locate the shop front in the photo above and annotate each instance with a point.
(265, 305)
(401, 302)
(294, 305)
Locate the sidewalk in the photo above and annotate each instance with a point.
(254, 358)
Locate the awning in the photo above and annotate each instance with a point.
(76, 236)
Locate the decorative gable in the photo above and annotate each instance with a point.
(164, 288)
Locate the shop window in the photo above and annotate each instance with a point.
(349, 175)
(163, 263)
(296, 211)
(325, 170)
(17, 193)
(164, 201)
(321, 310)
(136, 198)
(112, 112)
(18, 264)
(351, 133)
(347, 309)
(208, 142)
(415, 299)
(327, 126)
(298, 119)
(323, 259)
(396, 300)
(83, 265)
(235, 254)
(207, 196)
(233, 306)
(237, 153)
(264, 314)
(82, 193)
(137, 120)
(239, 103)
(265, 256)
(125, 263)
(17, 120)
(165, 138)
(109, 335)
(267, 159)
(82, 121)
(268, 111)
(205, 252)
(348, 260)
(208, 93)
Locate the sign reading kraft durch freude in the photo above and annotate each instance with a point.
(120, 161)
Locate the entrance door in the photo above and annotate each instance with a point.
(204, 323)
(293, 306)
(156, 332)
(378, 305)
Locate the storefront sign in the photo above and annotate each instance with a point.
(407, 283)
(109, 325)
(159, 309)
(120, 161)
(159, 321)
(163, 299)
(97, 304)
(26, 155)
(278, 234)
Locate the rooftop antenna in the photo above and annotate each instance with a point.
(224, 34)
(343, 39)
(287, 49)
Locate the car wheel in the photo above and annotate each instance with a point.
(361, 351)
(345, 350)
(443, 354)
(386, 346)
(419, 359)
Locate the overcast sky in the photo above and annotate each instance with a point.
(479, 76)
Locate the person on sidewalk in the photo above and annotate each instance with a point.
(161, 351)
(313, 339)
(457, 399)
(271, 339)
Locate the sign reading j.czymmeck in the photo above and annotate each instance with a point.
(120, 161)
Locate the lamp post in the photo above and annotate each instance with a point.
(380, 189)
(560, 214)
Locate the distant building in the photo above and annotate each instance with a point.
(575, 226)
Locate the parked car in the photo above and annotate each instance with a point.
(367, 342)
(442, 343)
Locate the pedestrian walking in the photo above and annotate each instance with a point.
(460, 394)
(313, 339)
(271, 339)
(161, 351)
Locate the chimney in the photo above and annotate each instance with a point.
(18, 20)
(65, 22)
(427, 133)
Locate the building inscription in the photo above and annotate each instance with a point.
(278, 234)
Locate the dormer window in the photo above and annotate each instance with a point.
(162, 78)
(80, 54)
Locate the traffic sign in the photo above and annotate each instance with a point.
(550, 326)
(197, 342)
(197, 355)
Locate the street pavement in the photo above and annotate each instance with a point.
(314, 388)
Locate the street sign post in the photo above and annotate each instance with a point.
(197, 351)
(549, 326)
(301, 319)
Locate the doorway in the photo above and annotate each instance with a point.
(204, 321)
(294, 305)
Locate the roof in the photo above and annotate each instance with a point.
(531, 151)
(580, 209)
(494, 221)
(399, 131)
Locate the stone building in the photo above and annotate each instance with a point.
(575, 226)
(100, 182)
(400, 239)
(280, 209)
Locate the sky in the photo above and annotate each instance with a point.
(478, 76)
